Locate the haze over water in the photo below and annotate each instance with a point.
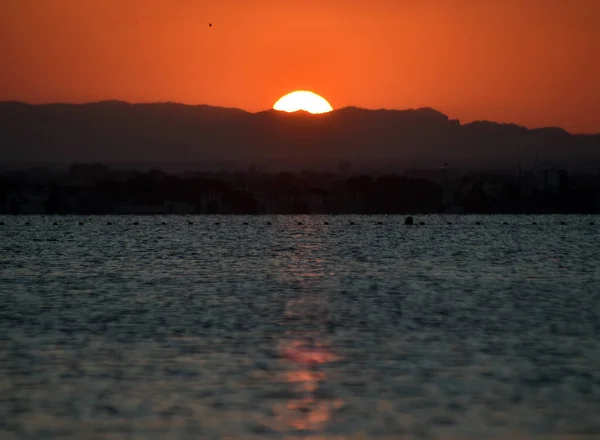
(300, 331)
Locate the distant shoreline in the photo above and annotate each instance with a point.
(95, 189)
(324, 215)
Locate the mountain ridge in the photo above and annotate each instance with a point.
(110, 131)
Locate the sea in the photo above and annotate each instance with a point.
(300, 327)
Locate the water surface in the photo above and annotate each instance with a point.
(352, 329)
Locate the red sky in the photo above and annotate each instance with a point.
(533, 62)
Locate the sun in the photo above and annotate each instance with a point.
(303, 100)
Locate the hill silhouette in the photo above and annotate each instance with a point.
(113, 131)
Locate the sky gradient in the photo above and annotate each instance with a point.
(532, 62)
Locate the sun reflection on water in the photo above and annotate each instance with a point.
(301, 353)
(305, 353)
(306, 411)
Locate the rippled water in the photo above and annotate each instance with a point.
(299, 331)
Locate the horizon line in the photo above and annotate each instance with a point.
(119, 101)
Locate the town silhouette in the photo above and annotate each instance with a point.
(98, 189)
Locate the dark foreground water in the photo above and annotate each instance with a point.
(300, 331)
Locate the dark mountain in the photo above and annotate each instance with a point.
(115, 131)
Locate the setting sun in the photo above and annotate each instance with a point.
(303, 100)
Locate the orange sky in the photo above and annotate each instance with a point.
(534, 62)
